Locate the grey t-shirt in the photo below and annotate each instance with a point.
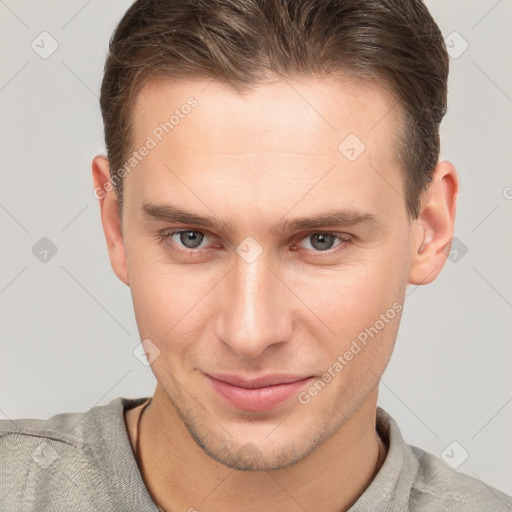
(84, 462)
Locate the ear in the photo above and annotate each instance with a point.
(433, 229)
(110, 218)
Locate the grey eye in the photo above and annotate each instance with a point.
(322, 241)
(191, 239)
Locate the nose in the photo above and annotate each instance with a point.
(254, 315)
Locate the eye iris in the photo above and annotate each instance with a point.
(325, 241)
(320, 241)
(191, 239)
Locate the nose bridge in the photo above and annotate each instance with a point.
(252, 319)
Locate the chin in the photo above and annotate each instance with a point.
(265, 453)
(248, 457)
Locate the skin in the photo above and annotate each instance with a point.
(253, 160)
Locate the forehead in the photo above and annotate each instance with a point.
(313, 113)
(262, 150)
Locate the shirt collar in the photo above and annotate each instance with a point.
(390, 489)
(106, 434)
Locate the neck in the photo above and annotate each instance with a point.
(180, 476)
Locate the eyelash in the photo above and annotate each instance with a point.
(166, 236)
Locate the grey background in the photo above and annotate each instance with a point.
(67, 325)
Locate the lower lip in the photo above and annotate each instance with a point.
(257, 399)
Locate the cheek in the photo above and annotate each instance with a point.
(359, 301)
(364, 313)
(167, 308)
(169, 300)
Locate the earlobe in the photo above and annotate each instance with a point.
(110, 217)
(433, 230)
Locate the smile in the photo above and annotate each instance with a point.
(257, 395)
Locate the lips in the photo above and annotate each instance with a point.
(259, 394)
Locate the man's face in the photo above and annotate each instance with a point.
(256, 295)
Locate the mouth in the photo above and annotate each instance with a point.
(256, 395)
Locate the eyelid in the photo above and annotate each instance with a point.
(344, 239)
(166, 237)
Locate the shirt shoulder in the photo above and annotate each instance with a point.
(64, 427)
(74, 460)
(439, 487)
(413, 480)
(40, 462)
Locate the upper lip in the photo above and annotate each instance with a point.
(258, 382)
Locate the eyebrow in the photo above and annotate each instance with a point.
(341, 217)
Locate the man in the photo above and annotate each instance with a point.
(272, 186)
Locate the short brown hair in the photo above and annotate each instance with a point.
(243, 42)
